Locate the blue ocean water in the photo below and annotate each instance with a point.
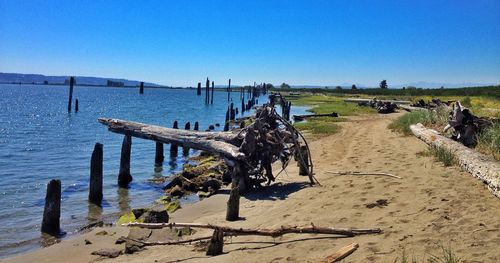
(40, 141)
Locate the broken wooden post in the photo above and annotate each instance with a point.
(233, 205)
(212, 97)
(159, 157)
(173, 146)
(124, 177)
(71, 83)
(303, 161)
(215, 247)
(196, 126)
(198, 91)
(95, 187)
(76, 105)
(231, 112)
(242, 106)
(141, 89)
(185, 150)
(52, 209)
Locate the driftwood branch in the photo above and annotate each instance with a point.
(162, 243)
(342, 253)
(479, 165)
(364, 173)
(312, 229)
(303, 117)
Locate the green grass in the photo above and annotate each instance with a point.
(320, 125)
(444, 156)
(402, 124)
(488, 141)
(447, 255)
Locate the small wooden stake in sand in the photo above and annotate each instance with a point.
(233, 205)
(52, 210)
(95, 188)
(124, 177)
(216, 243)
(341, 253)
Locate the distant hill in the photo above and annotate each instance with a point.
(80, 80)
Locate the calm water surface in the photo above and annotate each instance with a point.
(40, 141)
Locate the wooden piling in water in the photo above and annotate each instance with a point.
(71, 83)
(124, 177)
(207, 95)
(159, 154)
(198, 91)
(196, 126)
(173, 147)
(242, 106)
(52, 209)
(95, 185)
(233, 205)
(212, 97)
(231, 112)
(76, 105)
(229, 90)
(185, 150)
(141, 89)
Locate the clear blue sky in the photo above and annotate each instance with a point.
(298, 42)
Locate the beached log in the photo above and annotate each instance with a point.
(71, 83)
(276, 232)
(124, 177)
(215, 247)
(410, 108)
(141, 89)
(342, 253)
(95, 187)
(214, 142)
(233, 205)
(368, 100)
(303, 117)
(479, 165)
(52, 209)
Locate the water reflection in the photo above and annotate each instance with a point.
(123, 200)
(94, 212)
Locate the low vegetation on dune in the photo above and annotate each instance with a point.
(437, 118)
(488, 141)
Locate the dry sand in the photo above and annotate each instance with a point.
(431, 206)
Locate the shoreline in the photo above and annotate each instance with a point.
(431, 206)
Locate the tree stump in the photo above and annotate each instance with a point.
(124, 177)
(233, 205)
(216, 244)
(95, 187)
(52, 209)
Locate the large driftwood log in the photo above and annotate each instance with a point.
(312, 229)
(215, 142)
(479, 165)
(303, 117)
(368, 100)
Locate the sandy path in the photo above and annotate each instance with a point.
(431, 205)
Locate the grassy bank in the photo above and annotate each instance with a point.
(436, 119)
(322, 104)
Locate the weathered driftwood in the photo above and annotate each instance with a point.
(312, 229)
(215, 142)
(342, 253)
(368, 100)
(95, 183)
(479, 165)
(303, 117)
(163, 243)
(364, 173)
(52, 209)
(216, 245)
(410, 108)
(233, 205)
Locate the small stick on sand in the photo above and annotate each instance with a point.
(364, 173)
(341, 253)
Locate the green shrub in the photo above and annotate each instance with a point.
(488, 141)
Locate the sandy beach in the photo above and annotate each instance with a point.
(431, 206)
